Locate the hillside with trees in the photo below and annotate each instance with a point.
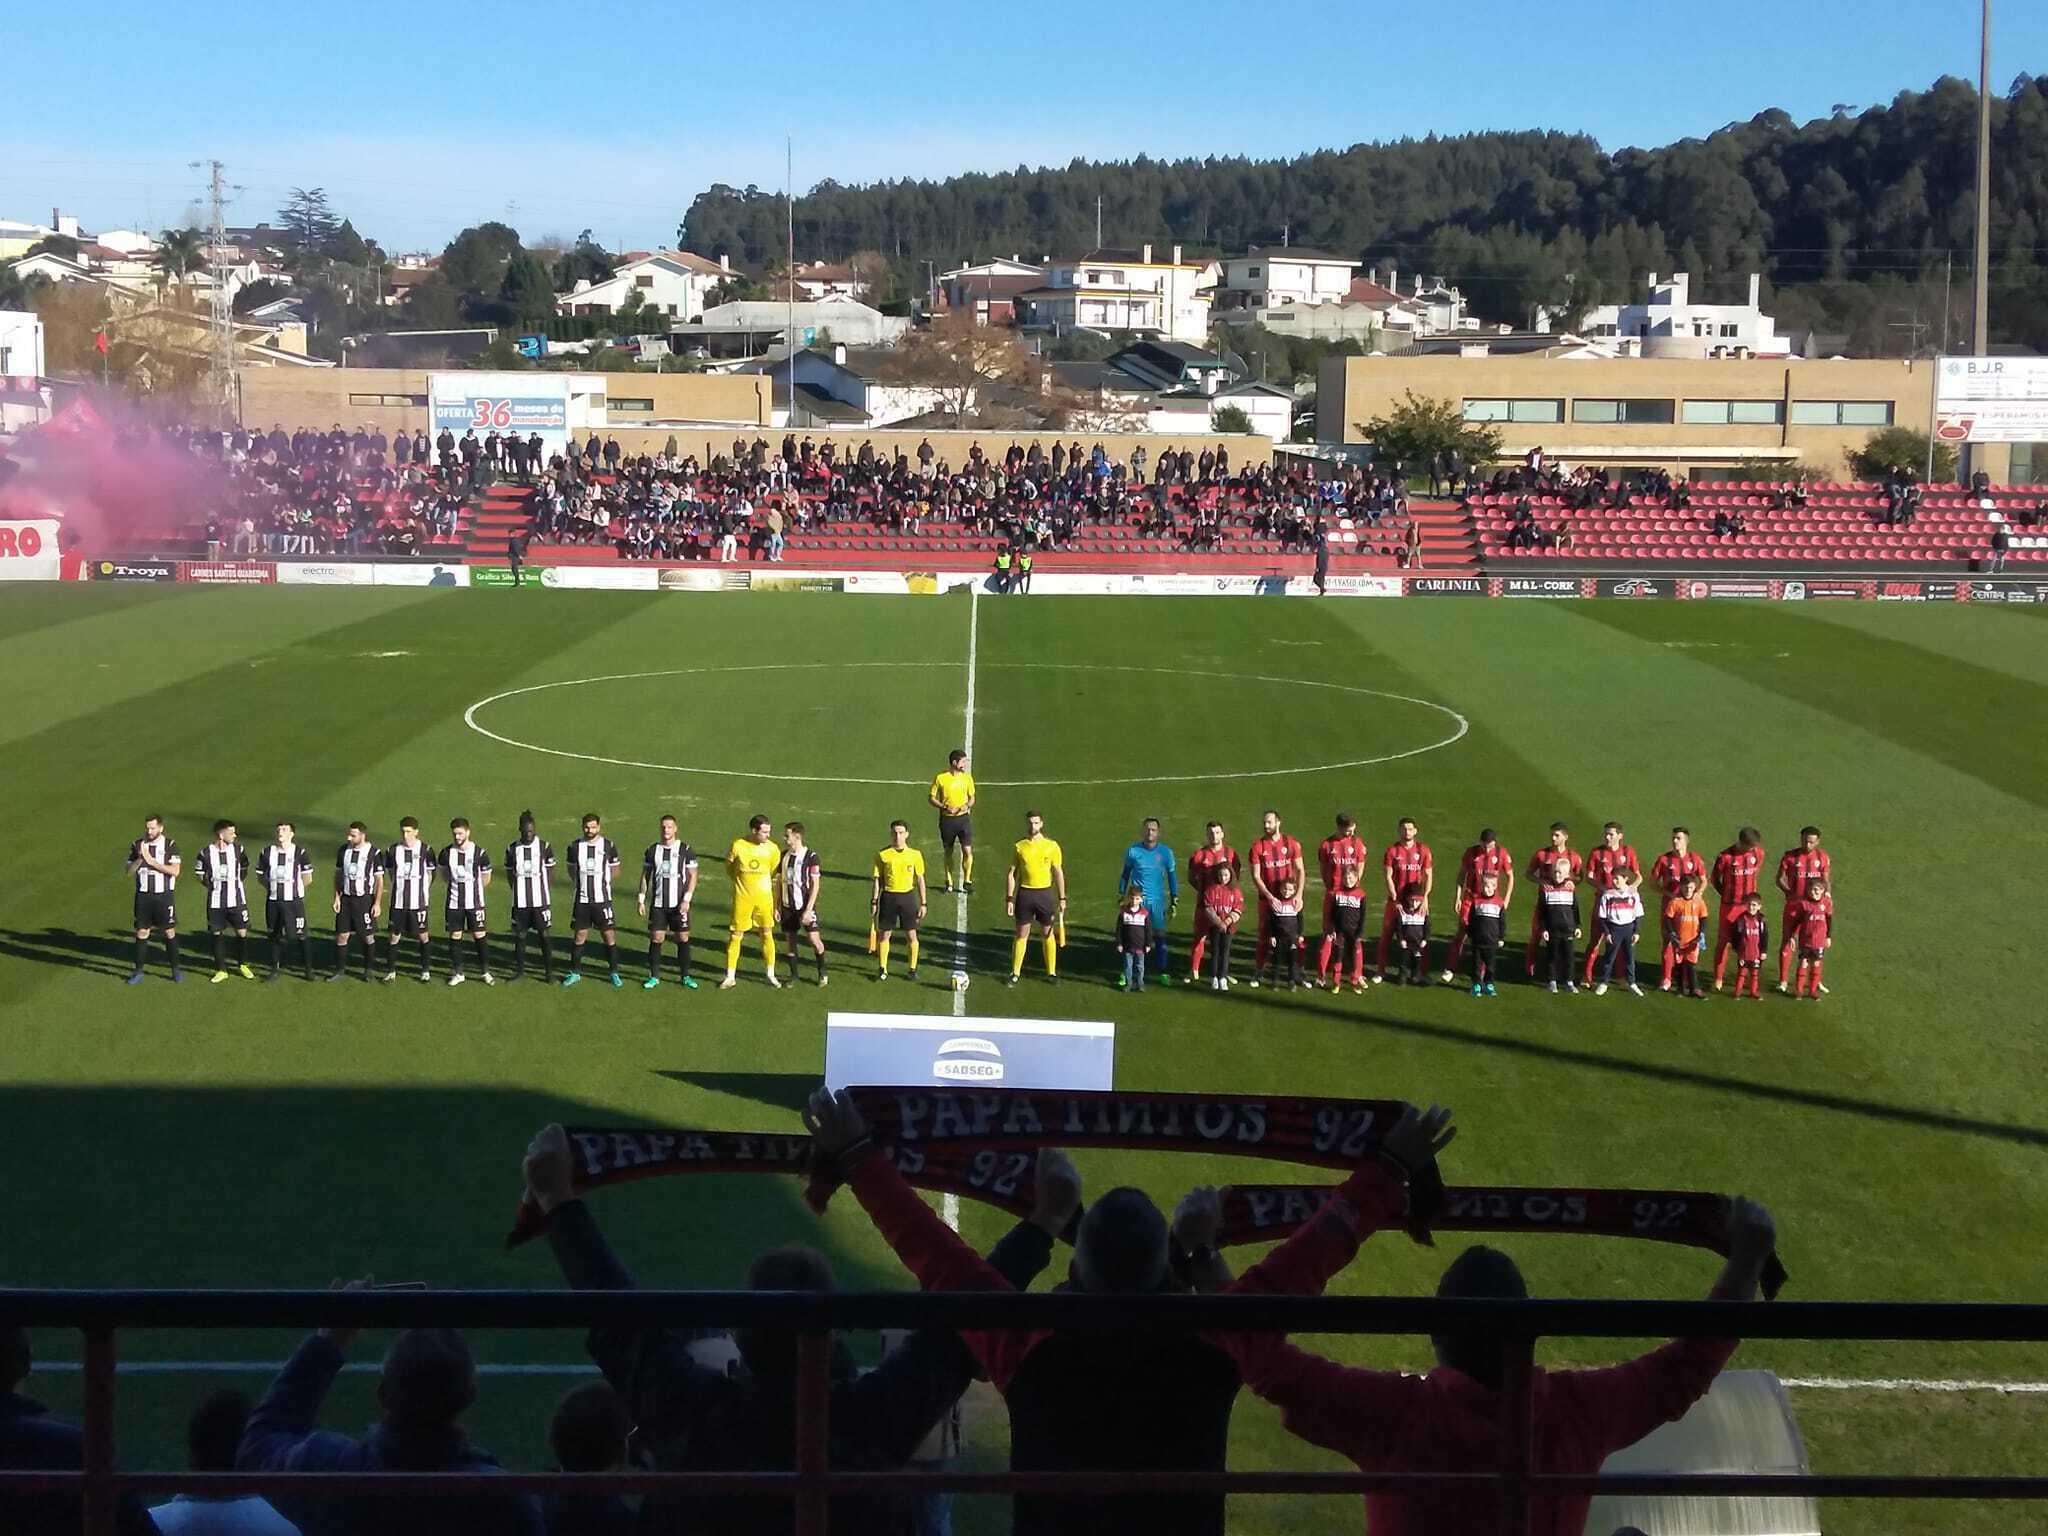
(1851, 218)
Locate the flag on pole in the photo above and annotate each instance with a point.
(99, 342)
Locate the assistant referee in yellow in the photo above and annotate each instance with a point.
(899, 896)
(952, 796)
(1035, 893)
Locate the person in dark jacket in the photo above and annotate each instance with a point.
(588, 1434)
(1135, 1400)
(32, 1441)
(694, 1418)
(429, 1380)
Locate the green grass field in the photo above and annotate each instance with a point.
(244, 1136)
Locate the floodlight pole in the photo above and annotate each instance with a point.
(1980, 337)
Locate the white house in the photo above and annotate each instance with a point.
(1170, 387)
(1124, 290)
(822, 280)
(1669, 324)
(21, 345)
(1277, 275)
(129, 242)
(674, 285)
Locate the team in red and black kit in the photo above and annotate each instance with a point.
(1483, 858)
(1737, 870)
(1797, 869)
(1406, 862)
(1613, 855)
(1542, 865)
(1214, 854)
(1339, 856)
(1276, 858)
(1673, 868)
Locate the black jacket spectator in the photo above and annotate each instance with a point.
(692, 1418)
(32, 1441)
(418, 1433)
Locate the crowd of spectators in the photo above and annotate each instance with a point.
(1140, 1399)
(749, 501)
(318, 493)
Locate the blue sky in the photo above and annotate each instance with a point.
(613, 116)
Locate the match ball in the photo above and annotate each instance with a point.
(959, 981)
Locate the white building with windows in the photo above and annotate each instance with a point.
(1124, 290)
(1279, 275)
(673, 285)
(1669, 324)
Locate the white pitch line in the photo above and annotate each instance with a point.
(949, 1203)
(583, 1368)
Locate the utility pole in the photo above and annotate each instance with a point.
(789, 276)
(221, 321)
(1980, 330)
(1098, 221)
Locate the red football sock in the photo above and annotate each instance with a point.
(1720, 962)
(1670, 957)
(1784, 965)
(1535, 940)
(1592, 954)
(1323, 959)
(1457, 949)
(1195, 960)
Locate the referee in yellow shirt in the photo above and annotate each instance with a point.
(899, 895)
(1035, 893)
(751, 861)
(952, 795)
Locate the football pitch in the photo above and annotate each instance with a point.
(243, 1135)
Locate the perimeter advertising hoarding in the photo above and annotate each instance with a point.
(1747, 588)
(1635, 586)
(2003, 592)
(887, 1050)
(28, 550)
(1794, 590)
(602, 578)
(1991, 399)
(136, 568)
(1446, 586)
(1541, 586)
(232, 573)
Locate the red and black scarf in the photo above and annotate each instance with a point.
(982, 1144)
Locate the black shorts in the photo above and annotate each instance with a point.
(463, 920)
(794, 920)
(674, 920)
(591, 914)
(956, 829)
(1036, 906)
(532, 919)
(409, 922)
(155, 909)
(220, 918)
(355, 915)
(285, 919)
(898, 909)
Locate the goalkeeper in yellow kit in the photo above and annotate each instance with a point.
(752, 862)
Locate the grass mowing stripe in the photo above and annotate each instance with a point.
(1968, 717)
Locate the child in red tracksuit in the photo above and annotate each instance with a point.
(1223, 908)
(1751, 935)
(1813, 917)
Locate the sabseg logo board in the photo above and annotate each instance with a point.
(968, 1059)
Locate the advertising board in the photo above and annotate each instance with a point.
(135, 568)
(314, 573)
(28, 550)
(230, 573)
(1634, 586)
(1742, 587)
(1541, 586)
(419, 575)
(1991, 399)
(1446, 586)
(602, 578)
(904, 1049)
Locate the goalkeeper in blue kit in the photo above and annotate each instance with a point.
(1149, 866)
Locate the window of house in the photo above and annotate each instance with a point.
(1251, 271)
(1730, 330)
(1514, 410)
(1841, 413)
(401, 400)
(1635, 413)
(621, 404)
(644, 280)
(1740, 413)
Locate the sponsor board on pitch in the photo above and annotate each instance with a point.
(1744, 588)
(501, 575)
(1917, 591)
(1795, 590)
(1633, 586)
(142, 568)
(315, 573)
(1539, 586)
(421, 575)
(602, 578)
(2003, 592)
(28, 550)
(885, 1050)
(1445, 586)
(233, 573)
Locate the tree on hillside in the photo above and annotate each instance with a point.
(255, 295)
(432, 306)
(527, 292)
(474, 262)
(18, 291)
(1231, 419)
(56, 245)
(1418, 429)
(586, 260)
(968, 366)
(307, 220)
(179, 253)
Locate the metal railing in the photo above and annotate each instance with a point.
(100, 1315)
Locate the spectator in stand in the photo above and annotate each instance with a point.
(211, 1438)
(692, 1417)
(428, 1383)
(1450, 1419)
(589, 1434)
(30, 1441)
(1078, 1402)
(2001, 543)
